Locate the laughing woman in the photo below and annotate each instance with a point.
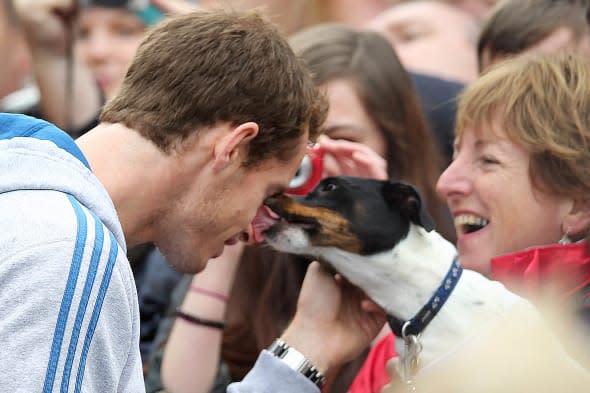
(519, 191)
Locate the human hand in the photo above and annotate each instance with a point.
(45, 23)
(176, 7)
(334, 322)
(345, 158)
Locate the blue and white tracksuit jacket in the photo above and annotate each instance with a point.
(68, 306)
(69, 319)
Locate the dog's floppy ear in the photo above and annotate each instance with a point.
(408, 200)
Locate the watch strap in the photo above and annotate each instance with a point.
(296, 361)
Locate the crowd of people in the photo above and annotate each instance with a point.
(139, 140)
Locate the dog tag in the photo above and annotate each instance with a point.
(410, 362)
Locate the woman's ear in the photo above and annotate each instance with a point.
(228, 147)
(576, 224)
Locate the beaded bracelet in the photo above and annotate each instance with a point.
(198, 320)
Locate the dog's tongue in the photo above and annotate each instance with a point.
(264, 219)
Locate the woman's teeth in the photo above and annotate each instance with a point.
(468, 223)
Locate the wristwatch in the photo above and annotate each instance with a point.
(296, 361)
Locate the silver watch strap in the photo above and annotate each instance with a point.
(296, 361)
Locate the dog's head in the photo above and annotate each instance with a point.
(357, 215)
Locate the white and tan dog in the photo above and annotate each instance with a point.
(378, 236)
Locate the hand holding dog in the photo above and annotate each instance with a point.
(334, 321)
(346, 158)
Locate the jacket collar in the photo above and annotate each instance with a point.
(564, 269)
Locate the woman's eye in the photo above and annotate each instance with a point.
(488, 160)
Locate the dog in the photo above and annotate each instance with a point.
(378, 235)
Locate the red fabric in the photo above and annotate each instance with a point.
(373, 376)
(559, 269)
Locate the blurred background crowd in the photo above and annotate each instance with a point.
(392, 71)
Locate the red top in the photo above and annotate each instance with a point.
(557, 269)
(560, 269)
(372, 376)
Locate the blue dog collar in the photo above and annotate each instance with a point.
(417, 324)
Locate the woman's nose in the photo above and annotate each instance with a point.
(454, 180)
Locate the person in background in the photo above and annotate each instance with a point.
(80, 51)
(438, 54)
(520, 26)
(374, 128)
(18, 93)
(431, 37)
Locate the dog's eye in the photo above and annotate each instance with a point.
(329, 187)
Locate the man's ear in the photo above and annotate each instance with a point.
(407, 199)
(227, 148)
(576, 223)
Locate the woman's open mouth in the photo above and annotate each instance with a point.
(469, 223)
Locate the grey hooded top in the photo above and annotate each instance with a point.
(69, 318)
